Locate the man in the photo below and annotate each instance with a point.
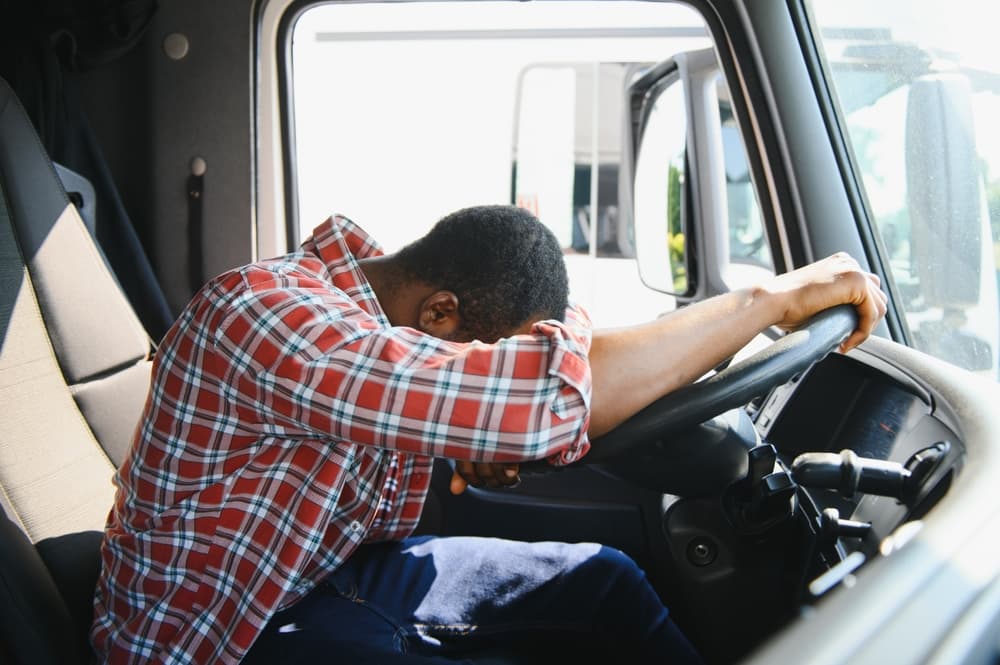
(285, 450)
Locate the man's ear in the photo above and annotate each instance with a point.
(439, 315)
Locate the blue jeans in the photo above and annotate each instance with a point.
(477, 600)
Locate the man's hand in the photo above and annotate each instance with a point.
(484, 474)
(832, 281)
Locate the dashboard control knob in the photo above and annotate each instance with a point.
(850, 474)
(765, 497)
(831, 526)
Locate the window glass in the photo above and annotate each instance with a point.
(918, 86)
(404, 112)
(567, 155)
(747, 241)
(557, 145)
(660, 172)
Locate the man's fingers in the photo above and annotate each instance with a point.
(510, 475)
(871, 309)
(465, 475)
(483, 474)
(458, 483)
(489, 473)
(499, 474)
(856, 338)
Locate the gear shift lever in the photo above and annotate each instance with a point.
(850, 474)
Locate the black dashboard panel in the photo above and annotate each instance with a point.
(844, 403)
(839, 404)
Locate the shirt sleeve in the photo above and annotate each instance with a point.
(303, 360)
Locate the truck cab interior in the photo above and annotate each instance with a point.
(798, 505)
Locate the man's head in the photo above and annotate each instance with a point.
(491, 269)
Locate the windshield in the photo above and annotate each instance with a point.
(918, 89)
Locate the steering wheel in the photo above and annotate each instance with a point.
(711, 453)
(728, 389)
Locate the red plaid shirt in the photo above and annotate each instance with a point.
(288, 422)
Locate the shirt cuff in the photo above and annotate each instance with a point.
(569, 362)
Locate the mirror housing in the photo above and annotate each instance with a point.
(948, 217)
(670, 121)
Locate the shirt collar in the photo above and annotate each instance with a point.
(339, 243)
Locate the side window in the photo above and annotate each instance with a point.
(567, 154)
(536, 121)
(404, 112)
(569, 126)
(747, 241)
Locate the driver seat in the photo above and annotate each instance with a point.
(74, 372)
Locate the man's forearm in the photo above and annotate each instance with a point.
(633, 366)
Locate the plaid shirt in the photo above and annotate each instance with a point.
(288, 422)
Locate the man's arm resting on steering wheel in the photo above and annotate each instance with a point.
(631, 367)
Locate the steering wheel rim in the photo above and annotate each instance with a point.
(734, 386)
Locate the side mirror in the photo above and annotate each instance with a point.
(943, 190)
(659, 163)
(948, 219)
(658, 201)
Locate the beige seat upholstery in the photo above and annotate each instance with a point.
(74, 370)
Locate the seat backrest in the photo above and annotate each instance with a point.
(74, 372)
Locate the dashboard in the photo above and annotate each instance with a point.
(844, 403)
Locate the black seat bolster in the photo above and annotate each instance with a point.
(74, 562)
(32, 611)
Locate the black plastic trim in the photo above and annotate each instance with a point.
(846, 160)
(774, 190)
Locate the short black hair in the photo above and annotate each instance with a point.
(504, 265)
